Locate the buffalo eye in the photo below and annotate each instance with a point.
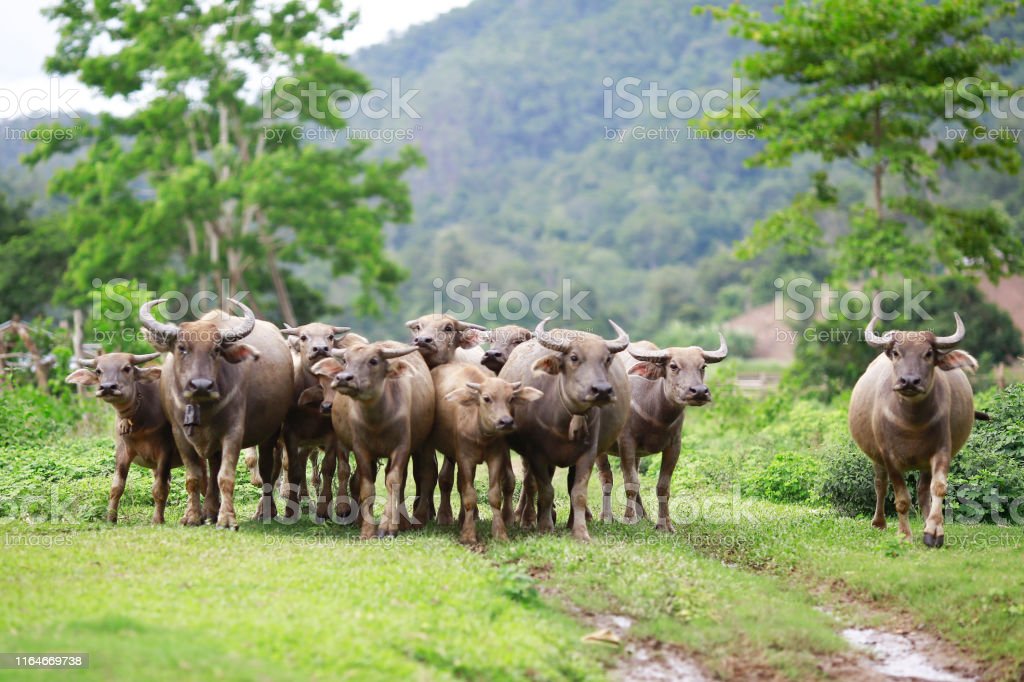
(487, 398)
(674, 367)
(374, 361)
(608, 360)
(928, 354)
(126, 369)
(182, 349)
(303, 338)
(98, 371)
(574, 358)
(449, 328)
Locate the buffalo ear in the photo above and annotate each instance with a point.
(527, 395)
(327, 367)
(463, 396)
(149, 374)
(314, 395)
(159, 342)
(236, 352)
(397, 368)
(549, 364)
(82, 377)
(470, 338)
(957, 359)
(648, 370)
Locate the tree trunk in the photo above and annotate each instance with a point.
(284, 301)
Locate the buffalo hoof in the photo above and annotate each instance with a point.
(191, 520)
(581, 536)
(932, 540)
(220, 527)
(386, 533)
(665, 527)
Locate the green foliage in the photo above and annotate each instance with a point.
(677, 333)
(205, 181)
(847, 480)
(868, 83)
(987, 477)
(28, 415)
(113, 317)
(788, 477)
(31, 251)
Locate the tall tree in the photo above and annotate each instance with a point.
(211, 177)
(902, 90)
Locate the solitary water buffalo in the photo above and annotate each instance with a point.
(663, 382)
(472, 416)
(222, 395)
(904, 415)
(307, 427)
(143, 432)
(503, 340)
(383, 408)
(585, 405)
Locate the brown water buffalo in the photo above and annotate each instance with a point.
(473, 414)
(223, 394)
(905, 415)
(442, 338)
(383, 408)
(307, 427)
(585, 406)
(143, 432)
(503, 340)
(662, 382)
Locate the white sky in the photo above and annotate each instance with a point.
(27, 38)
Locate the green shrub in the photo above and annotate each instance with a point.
(29, 415)
(847, 479)
(987, 476)
(788, 477)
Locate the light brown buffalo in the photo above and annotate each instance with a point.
(584, 407)
(226, 385)
(143, 432)
(503, 340)
(663, 382)
(383, 408)
(473, 414)
(441, 338)
(905, 415)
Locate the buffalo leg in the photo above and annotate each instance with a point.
(881, 490)
(123, 462)
(668, 465)
(394, 483)
(630, 480)
(899, 488)
(343, 505)
(467, 493)
(424, 471)
(508, 489)
(366, 471)
(934, 531)
(497, 492)
(446, 482)
(526, 511)
(578, 495)
(924, 495)
(226, 480)
(604, 471)
(211, 504)
(314, 477)
(545, 497)
(325, 489)
(296, 475)
(269, 462)
(161, 486)
(195, 480)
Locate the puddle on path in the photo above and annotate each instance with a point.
(645, 660)
(901, 656)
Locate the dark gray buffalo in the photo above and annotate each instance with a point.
(226, 385)
(905, 415)
(662, 382)
(584, 407)
(143, 432)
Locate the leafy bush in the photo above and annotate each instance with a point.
(788, 477)
(29, 415)
(987, 477)
(847, 479)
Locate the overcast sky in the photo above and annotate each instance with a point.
(26, 39)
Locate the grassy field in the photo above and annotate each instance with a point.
(748, 588)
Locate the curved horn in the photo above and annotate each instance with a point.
(957, 337)
(338, 353)
(143, 359)
(162, 330)
(547, 340)
(716, 355)
(411, 323)
(657, 355)
(89, 363)
(470, 325)
(289, 330)
(873, 339)
(621, 342)
(475, 387)
(389, 353)
(341, 331)
(241, 330)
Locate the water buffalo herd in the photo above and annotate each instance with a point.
(557, 397)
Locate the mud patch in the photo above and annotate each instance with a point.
(902, 655)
